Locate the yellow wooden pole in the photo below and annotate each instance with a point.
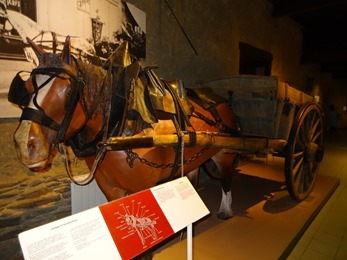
(243, 143)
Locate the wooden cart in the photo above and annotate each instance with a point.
(274, 118)
(273, 111)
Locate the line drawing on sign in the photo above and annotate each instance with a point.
(143, 225)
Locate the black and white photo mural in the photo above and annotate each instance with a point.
(96, 28)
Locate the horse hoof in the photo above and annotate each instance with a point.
(223, 216)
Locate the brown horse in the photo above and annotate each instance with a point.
(69, 101)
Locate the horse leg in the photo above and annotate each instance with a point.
(106, 185)
(193, 177)
(226, 164)
(110, 191)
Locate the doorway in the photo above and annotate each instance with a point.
(254, 61)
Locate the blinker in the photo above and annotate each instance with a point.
(18, 93)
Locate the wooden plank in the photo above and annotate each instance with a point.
(290, 94)
(253, 100)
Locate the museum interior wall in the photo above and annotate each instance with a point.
(215, 29)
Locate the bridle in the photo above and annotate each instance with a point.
(20, 95)
(39, 116)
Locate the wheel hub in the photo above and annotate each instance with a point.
(314, 152)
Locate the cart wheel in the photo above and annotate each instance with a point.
(211, 169)
(304, 151)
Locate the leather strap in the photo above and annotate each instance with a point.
(39, 117)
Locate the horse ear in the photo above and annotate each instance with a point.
(38, 51)
(66, 55)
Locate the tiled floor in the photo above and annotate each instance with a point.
(326, 237)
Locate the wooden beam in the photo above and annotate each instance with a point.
(251, 144)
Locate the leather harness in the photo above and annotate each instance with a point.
(123, 85)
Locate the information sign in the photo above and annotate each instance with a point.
(121, 229)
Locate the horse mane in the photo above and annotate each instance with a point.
(51, 60)
(94, 89)
(94, 98)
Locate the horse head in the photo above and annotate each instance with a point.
(49, 98)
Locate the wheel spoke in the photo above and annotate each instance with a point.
(297, 176)
(314, 129)
(298, 154)
(312, 119)
(315, 137)
(298, 162)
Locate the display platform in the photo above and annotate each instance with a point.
(266, 224)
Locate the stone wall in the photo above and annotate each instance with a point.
(216, 28)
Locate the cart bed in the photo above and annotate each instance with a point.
(264, 106)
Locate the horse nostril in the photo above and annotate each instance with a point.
(31, 146)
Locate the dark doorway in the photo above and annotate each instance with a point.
(254, 61)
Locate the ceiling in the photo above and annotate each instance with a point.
(324, 26)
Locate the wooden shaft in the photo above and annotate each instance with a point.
(251, 144)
